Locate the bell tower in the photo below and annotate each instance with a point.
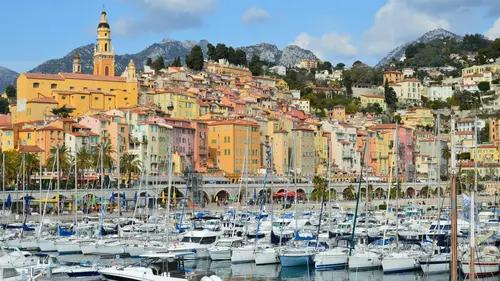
(104, 55)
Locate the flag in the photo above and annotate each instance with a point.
(9, 201)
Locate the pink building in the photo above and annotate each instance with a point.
(183, 138)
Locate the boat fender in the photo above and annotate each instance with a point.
(205, 278)
(215, 278)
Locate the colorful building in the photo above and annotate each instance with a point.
(234, 145)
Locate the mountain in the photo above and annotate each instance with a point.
(169, 50)
(289, 56)
(399, 52)
(7, 77)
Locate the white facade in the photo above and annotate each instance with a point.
(343, 153)
(301, 104)
(278, 69)
(467, 125)
(408, 90)
(439, 92)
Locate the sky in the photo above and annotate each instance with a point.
(34, 31)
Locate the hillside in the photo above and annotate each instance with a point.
(7, 77)
(169, 50)
(399, 52)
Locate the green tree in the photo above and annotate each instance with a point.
(64, 158)
(4, 106)
(149, 62)
(177, 62)
(340, 65)
(483, 86)
(195, 59)
(85, 159)
(220, 52)
(11, 92)
(63, 111)
(390, 96)
(130, 164)
(319, 188)
(106, 150)
(255, 65)
(210, 51)
(158, 64)
(240, 57)
(484, 134)
(347, 81)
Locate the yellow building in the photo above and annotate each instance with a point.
(418, 117)
(178, 103)
(367, 99)
(230, 141)
(486, 153)
(280, 146)
(83, 92)
(392, 76)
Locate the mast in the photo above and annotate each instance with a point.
(40, 180)
(58, 181)
(75, 201)
(3, 181)
(453, 205)
(472, 237)
(23, 164)
(396, 172)
(169, 192)
(358, 195)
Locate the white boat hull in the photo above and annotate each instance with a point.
(328, 260)
(220, 254)
(243, 254)
(266, 256)
(364, 261)
(481, 269)
(66, 248)
(401, 264)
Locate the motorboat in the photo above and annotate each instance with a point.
(197, 241)
(222, 249)
(435, 263)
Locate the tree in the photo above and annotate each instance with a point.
(319, 188)
(130, 164)
(241, 57)
(11, 92)
(255, 65)
(177, 62)
(483, 86)
(4, 106)
(210, 51)
(149, 62)
(484, 134)
(220, 52)
(340, 65)
(62, 112)
(64, 158)
(347, 82)
(158, 64)
(326, 65)
(390, 96)
(106, 150)
(195, 59)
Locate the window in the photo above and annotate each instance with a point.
(109, 99)
(53, 86)
(106, 48)
(36, 85)
(125, 98)
(96, 98)
(82, 97)
(106, 71)
(63, 97)
(71, 87)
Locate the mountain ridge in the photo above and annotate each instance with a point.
(169, 49)
(7, 77)
(399, 52)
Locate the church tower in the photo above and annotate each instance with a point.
(104, 55)
(77, 64)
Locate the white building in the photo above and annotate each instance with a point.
(302, 104)
(278, 69)
(295, 94)
(408, 72)
(439, 92)
(467, 124)
(343, 152)
(408, 90)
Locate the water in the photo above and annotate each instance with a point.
(250, 271)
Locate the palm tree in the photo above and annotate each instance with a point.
(64, 157)
(84, 159)
(319, 188)
(32, 163)
(106, 149)
(130, 164)
(12, 165)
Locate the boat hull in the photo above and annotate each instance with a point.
(481, 269)
(360, 262)
(220, 254)
(296, 260)
(266, 256)
(241, 255)
(325, 261)
(394, 265)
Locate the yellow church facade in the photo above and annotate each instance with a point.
(39, 93)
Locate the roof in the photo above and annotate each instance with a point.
(30, 149)
(372, 96)
(78, 76)
(233, 122)
(43, 100)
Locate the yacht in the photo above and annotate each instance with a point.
(197, 241)
(335, 258)
(486, 262)
(222, 249)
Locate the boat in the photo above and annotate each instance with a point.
(436, 263)
(245, 253)
(365, 259)
(400, 261)
(266, 255)
(197, 241)
(486, 263)
(222, 249)
(157, 267)
(296, 256)
(335, 258)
